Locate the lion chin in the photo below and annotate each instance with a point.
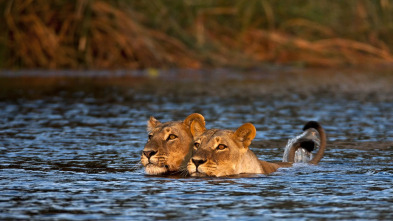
(198, 174)
(152, 169)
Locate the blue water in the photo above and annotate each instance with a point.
(72, 151)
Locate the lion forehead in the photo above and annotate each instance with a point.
(219, 137)
(176, 127)
(213, 137)
(213, 133)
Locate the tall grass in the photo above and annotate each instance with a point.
(67, 34)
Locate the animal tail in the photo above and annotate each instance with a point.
(309, 145)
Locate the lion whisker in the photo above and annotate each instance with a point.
(169, 143)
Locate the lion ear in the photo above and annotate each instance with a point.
(196, 122)
(246, 133)
(197, 128)
(152, 123)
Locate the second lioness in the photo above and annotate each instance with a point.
(225, 152)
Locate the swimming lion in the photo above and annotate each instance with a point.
(225, 152)
(169, 145)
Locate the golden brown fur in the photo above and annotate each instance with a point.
(169, 145)
(224, 152)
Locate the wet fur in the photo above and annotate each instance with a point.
(322, 134)
(171, 155)
(236, 158)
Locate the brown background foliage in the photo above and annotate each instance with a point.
(98, 34)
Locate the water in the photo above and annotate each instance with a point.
(70, 150)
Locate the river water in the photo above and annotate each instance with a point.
(70, 144)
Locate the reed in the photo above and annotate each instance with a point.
(99, 34)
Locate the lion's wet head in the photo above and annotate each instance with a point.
(169, 145)
(220, 152)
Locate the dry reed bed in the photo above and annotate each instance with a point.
(110, 34)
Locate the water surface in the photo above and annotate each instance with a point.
(70, 145)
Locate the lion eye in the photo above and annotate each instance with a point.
(172, 137)
(196, 145)
(150, 136)
(221, 147)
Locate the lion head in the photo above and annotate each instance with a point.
(169, 144)
(223, 152)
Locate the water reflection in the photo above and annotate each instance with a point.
(74, 153)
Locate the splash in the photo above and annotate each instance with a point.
(308, 140)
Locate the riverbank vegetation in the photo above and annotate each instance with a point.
(98, 34)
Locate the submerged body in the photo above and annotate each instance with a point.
(224, 152)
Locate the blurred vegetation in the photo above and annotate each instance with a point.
(98, 34)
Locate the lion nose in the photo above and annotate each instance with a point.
(149, 154)
(198, 162)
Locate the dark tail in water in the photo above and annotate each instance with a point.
(309, 146)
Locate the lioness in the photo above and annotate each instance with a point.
(169, 145)
(225, 152)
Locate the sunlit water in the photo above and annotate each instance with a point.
(72, 152)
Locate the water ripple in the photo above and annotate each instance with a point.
(74, 155)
